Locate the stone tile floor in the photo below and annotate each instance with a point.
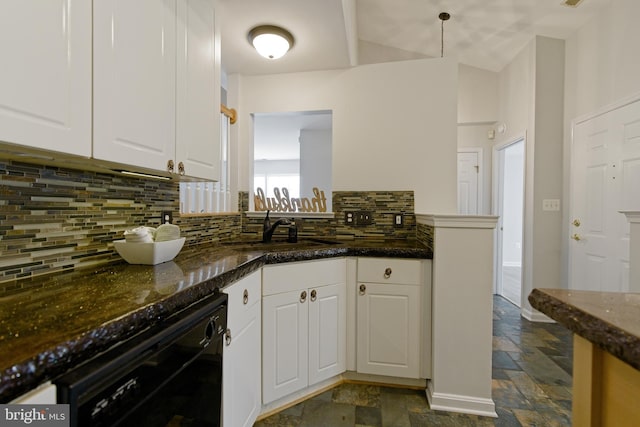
(531, 386)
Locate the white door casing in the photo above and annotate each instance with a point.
(605, 179)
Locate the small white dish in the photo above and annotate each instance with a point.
(148, 253)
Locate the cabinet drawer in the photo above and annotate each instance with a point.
(244, 293)
(302, 275)
(390, 270)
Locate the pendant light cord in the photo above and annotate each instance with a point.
(444, 16)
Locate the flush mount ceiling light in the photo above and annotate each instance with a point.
(270, 41)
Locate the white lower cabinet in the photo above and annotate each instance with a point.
(304, 325)
(241, 400)
(390, 322)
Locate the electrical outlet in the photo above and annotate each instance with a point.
(349, 218)
(167, 217)
(398, 220)
(364, 218)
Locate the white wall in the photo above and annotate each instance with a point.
(602, 66)
(531, 105)
(477, 95)
(394, 124)
(477, 114)
(315, 161)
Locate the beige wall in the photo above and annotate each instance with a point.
(394, 124)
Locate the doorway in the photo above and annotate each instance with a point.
(510, 209)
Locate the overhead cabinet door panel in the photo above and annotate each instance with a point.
(135, 82)
(45, 90)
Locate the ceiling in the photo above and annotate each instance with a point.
(333, 34)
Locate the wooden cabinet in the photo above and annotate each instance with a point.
(156, 85)
(241, 394)
(390, 321)
(304, 325)
(45, 90)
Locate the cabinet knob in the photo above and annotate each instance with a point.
(363, 289)
(303, 296)
(387, 272)
(170, 166)
(576, 222)
(245, 297)
(314, 294)
(181, 168)
(576, 237)
(227, 337)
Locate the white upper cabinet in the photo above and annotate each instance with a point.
(156, 85)
(134, 82)
(45, 89)
(198, 90)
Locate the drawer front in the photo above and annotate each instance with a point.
(390, 270)
(244, 293)
(281, 278)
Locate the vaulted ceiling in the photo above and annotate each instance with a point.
(334, 34)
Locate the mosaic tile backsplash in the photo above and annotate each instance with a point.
(383, 205)
(54, 219)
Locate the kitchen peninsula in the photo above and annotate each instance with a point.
(606, 358)
(66, 318)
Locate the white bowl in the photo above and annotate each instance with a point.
(148, 253)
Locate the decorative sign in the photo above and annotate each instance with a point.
(283, 203)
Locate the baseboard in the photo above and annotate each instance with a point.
(536, 316)
(458, 403)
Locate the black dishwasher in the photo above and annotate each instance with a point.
(167, 376)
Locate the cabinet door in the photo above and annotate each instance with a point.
(45, 90)
(327, 332)
(242, 361)
(134, 82)
(388, 329)
(198, 90)
(284, 344)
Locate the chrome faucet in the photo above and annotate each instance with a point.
(268, 229)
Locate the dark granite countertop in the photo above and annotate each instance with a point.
(610, 320)
(67, 318)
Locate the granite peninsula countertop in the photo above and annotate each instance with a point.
(610, 320)
(66, 318)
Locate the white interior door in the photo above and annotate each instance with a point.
(510, 209)
(469, 192)
(605, 178)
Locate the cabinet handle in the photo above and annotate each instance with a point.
(363, 289)
(303, 296)
(387, 273)
(245, 297)
(576, 222)
(576, 237)
(181, 168)
(227, 337)
(170, 166)
(314, 294)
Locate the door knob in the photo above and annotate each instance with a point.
(576, 222)
(575, 237)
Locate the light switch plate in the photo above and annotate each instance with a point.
(551, 205)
